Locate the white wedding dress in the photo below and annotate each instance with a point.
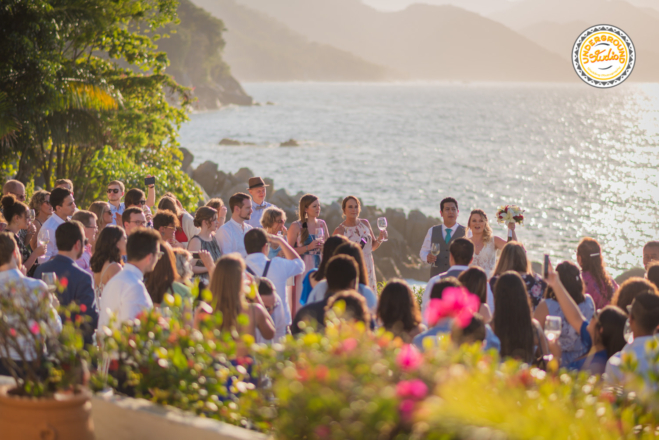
(487, 258)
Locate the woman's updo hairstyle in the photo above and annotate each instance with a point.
(12, 207)
(204, 213)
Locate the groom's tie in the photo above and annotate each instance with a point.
(448, 235)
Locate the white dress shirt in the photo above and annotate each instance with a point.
(431, 283)
(279, 318)
(51, 226)
(231, 237)
(13, 277)
(427, 244)
(124, 296)
(117, 210)
(636, 350)
(280, 270)
(187, 224)
(257, 212)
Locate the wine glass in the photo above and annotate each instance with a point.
(553, 327)
(31, 214)
(50, 278)
(435, 249)
(382, 225)
(44, 237)
(627, 332)
(320, 235)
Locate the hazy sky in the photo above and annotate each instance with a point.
(481, 6)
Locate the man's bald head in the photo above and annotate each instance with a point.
(14, 187)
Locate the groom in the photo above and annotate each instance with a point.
(444, 235)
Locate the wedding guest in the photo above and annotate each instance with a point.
(135, 198)
(474, 280)
(70, 238)
(164, 278)
(15, 213)
(599, 283)
(643, 320)
(355, 251)
(103, 213)
(521, 336)
(11, 275)
(353, 307)
(570, 342)
(398, 310)
(218, 205)
(88, 221)
(513, 258)
(63, 207)
(125, 295)
(652, 274)
(187, 229)
(64, 183)
(15, 188)
(461, 254)
(3, 222)
(486, 244)
(115, 192)
(342, 274)
(359, 231)
(257, 189)
(275, 308)
(40, 202)
(315, 276)
(650, 253)
(231, 236)
(206, 220)
(183, 265)
(474, 331)
(630, 289)
(273, 221)
(277, 269)
(442, 235)
(303, 235)
(132, 219)
(107, 260)
(228, 291)
(165, 222)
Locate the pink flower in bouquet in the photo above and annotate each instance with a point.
(415, 389)
(409, 358)
(457, 303)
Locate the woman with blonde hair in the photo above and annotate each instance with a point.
(206, 219)
(40, 202)
(599, 283)
(486, 244)
(273, 221)
(513, 258)
(103, 214)
(304, 236)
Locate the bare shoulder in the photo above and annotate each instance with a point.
(365, 222)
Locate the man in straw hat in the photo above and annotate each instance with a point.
(257, 189)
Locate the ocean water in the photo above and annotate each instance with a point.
(581, 161)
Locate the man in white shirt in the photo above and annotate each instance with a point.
(231, 236)
(125, 295)
(63, 207)
(278, 269)
(442, 236)
(643, 320)
(257, 189)
(115, 192)
(460, 256)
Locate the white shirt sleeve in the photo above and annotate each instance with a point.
(490, 298)
(188, 226)
(293, 267)
(426, 298)
(223, 238)
(425, 247)
(612, 372)
(135, 299)
(317, 294)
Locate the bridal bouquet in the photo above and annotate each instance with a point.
(510, 214)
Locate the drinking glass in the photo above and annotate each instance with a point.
(50, 278)
(320, 235)
(382, 225)
(553, 327)
(627, 332)
(31, 214)
(435, 248)
(44, 238)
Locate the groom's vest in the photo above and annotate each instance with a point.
(442, 264)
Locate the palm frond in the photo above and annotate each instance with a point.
(79, 95)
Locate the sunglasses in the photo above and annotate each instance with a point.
(47, 202)
(142, 202)
(20, 197)
(113, 190)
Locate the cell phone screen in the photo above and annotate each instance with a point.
(546, 268)
(149, 180)
(195, 255)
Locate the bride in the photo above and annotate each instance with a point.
(486, 244)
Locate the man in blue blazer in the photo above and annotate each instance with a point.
(70, 239)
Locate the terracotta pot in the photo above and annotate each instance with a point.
(63, 417)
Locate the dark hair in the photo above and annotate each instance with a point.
(329, 247)
(570, 276)
(68, 234)
(513, 257)
(610, 325)
(254, 240)
(133, 197)
(355, 306)
(645, 312)
(653, 273)
(7, 247)
(355, 251)
(237, 200)
(12, 207)
(84, 217)
(163, 219)
(630, 289)
(653, 243)
(512, 317)
(474, 280)
(397, 308)
(342, 271)
(590, 252)
(57, 196)
(266, 287)
(125, 217)
(204, 213)
(462, 250)
(142, 243)
(106, 247)
(168, 204)
(443, 283)
(447, 200)
(473, 332)
(160, 280)
(215, 203)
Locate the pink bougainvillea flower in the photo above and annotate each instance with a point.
(12, 331)
(456, 302)
(406, 409)
(321, 372)
(415, 389)
(409, 358)
(34, 328)
(349, 344)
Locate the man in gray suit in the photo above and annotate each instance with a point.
(442, 236)
(461, 254)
